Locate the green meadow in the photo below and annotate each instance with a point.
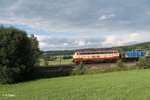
(121, 85)
(56, 62)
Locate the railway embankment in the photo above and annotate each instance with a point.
(73, 69)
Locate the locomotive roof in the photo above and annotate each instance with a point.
(88, 51)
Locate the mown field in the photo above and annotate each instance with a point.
(56, 62)
(121, 85)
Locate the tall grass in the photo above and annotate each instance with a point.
(119, 66)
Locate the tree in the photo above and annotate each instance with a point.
(18, 55)
(144, 62)
(119, 49)
(35, 52)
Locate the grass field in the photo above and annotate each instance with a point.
(123, 85)
(57, 62)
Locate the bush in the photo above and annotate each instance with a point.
(144, 62)
(120, 65)
(79, 70)
(48, 57)
(67, 57)
(8, 75)
(18, 55)
(46, 63)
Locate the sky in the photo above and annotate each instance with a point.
(78, 24)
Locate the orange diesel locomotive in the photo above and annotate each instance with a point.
(96, 56)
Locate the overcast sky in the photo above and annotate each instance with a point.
(73, 24)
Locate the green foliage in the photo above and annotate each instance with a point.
(67, 57)
(34, 50)
(120, 65)
(18, 54)
(119, 49)
(81, 65)
(80, 70)
(144, 62)
(46, 63)
(48, 57)
(8, 75)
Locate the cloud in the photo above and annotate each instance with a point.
(65, 24)
(81, 43)
(125, 39)
(71, 16)
(104, 17)
(148, 12)
(112, 40)
(134, 35)
(64, 43)
(43, 45)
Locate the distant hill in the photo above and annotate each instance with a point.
(142, 46)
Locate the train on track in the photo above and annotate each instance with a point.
(108, 55)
